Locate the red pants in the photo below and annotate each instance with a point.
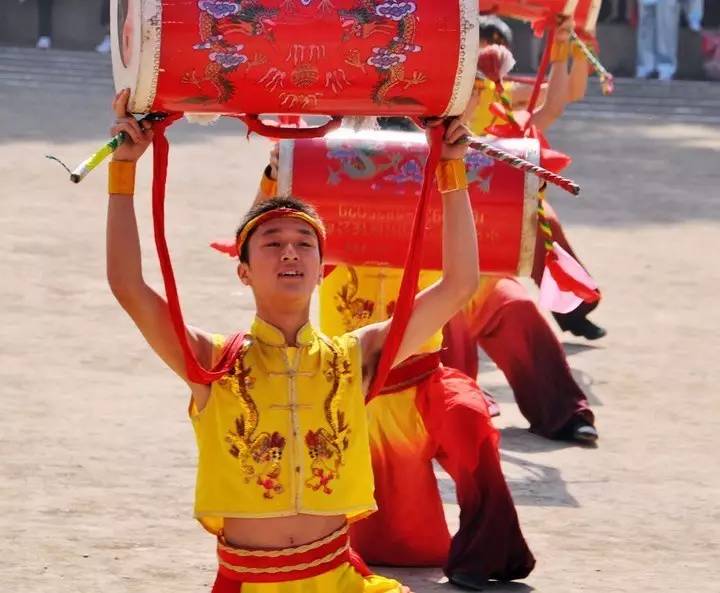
(510, 328)
(445, 417)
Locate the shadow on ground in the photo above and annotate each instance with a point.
(433, 580)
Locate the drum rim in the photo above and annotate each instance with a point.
(529, 227)
(148, 43)
(467, 58)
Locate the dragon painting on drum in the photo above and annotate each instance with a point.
(325, 57)
(308, 73)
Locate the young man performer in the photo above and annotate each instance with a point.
(505, 322)
(565, 85)
(284, 461)
(424, 412)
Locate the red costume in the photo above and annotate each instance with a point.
(425, 412)
(506, 323)
(444, 418)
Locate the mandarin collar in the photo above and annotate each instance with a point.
(272, 336)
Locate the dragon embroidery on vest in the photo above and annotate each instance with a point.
(259, 455)
(327, 447)
(355, 311)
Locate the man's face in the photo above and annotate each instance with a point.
(284, 262)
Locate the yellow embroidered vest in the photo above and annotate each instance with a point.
(285, 431)
(482, 118)
(354, 296)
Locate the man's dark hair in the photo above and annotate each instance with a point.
(268, 206)
(401, 124)
(494, 30)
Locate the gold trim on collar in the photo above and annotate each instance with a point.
(270, 335)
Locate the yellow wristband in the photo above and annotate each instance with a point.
(451, 176)
(560, 52)
(268, 185)
(121, 178)
(577, 52)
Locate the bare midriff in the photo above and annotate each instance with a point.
(280, 532)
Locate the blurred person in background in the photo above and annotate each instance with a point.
(44, 40)
(104, 46)
(615, 11)
(693, 10)
(657, 38)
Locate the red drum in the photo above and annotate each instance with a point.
(585, 12)
(365, 186)
(335, 57)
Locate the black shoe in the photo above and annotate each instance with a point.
(577, 324)
(465, 580)
(578, 430)
(585, 433)
(585, 328)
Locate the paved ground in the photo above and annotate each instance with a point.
(96, 454)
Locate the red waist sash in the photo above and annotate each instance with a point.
(411, 372)
(288, 564)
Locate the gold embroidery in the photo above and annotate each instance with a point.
(325, 447)
(260, 455)
(355, 312)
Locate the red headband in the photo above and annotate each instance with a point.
(236, 248)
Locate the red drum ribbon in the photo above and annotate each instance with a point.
(567, 282)
(542, 70)
(254, 124)
(408, 287)
(195, 371)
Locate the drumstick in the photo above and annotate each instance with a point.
(524, 165)
(81, 171)
(607, 81)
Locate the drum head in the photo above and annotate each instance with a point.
(135, 35)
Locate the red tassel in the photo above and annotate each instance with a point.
(568, 283)
(408, 286)
(195, 371)
(554, 160)
(543, 68)
(228, 248)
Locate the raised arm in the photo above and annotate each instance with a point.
(558, 86)
(579, 71)
(147, 308)
(520, 93)
(438, 303)
(268, 183)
